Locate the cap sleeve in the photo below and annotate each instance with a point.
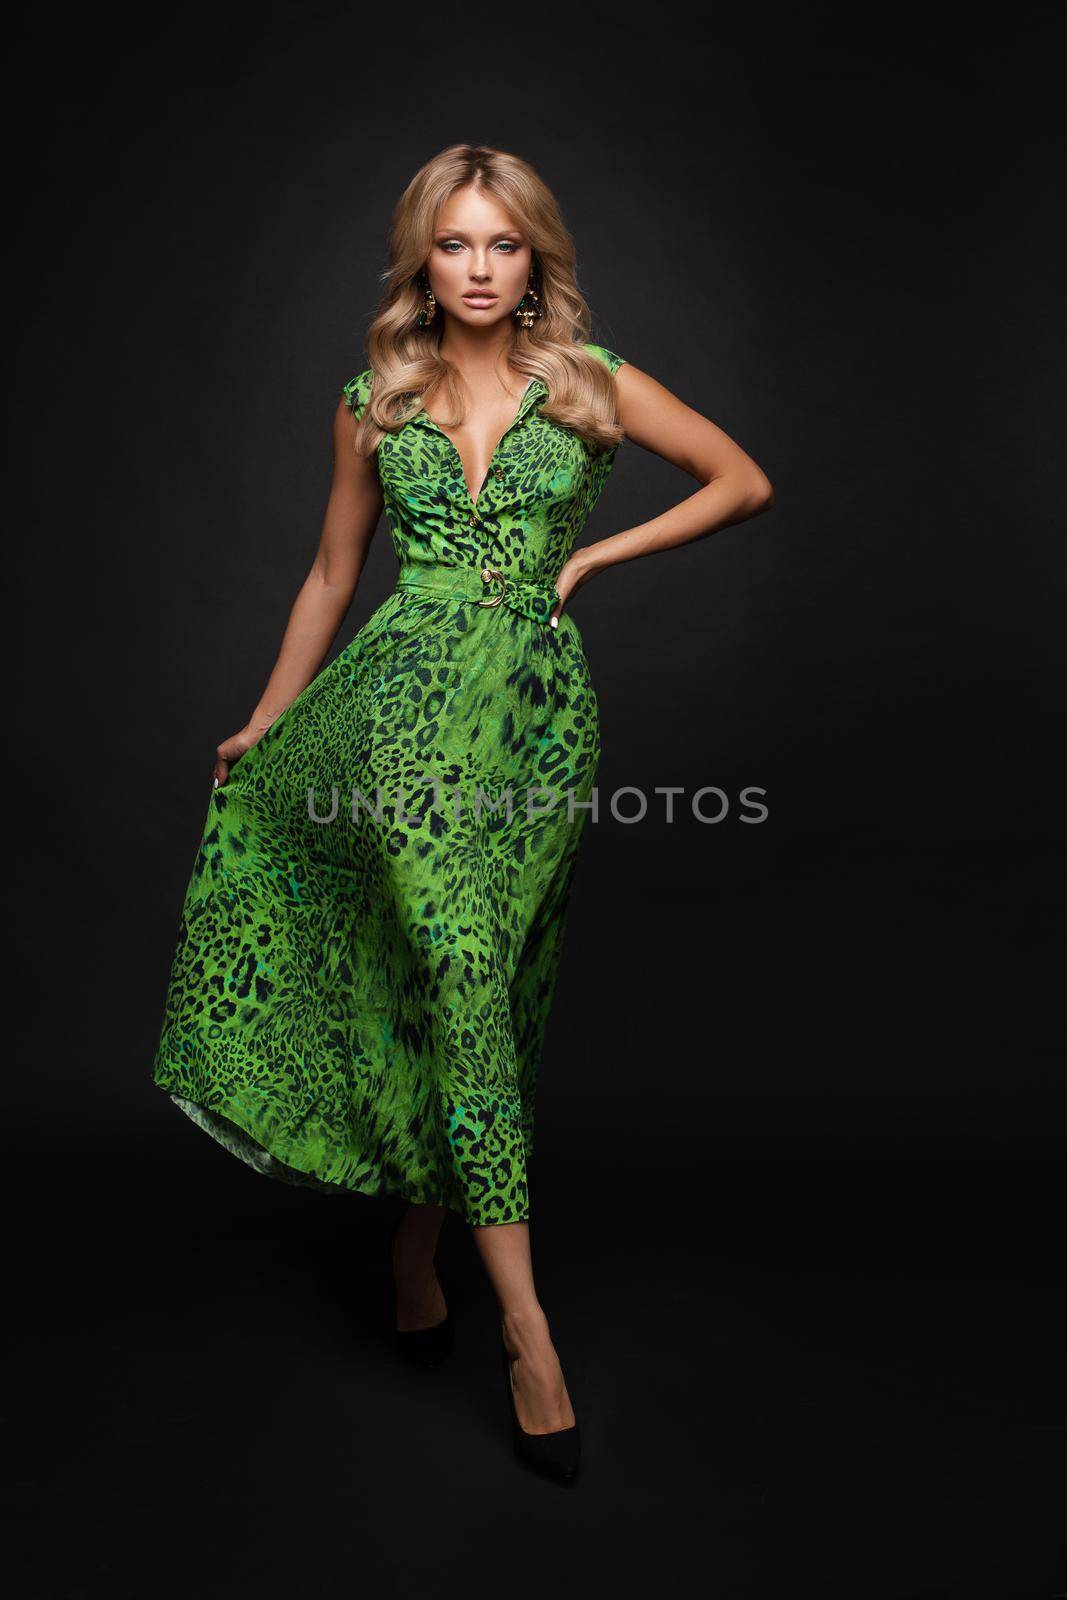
(356, 392)
(608, 357)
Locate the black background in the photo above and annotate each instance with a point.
(802, 1102)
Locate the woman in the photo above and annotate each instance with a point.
(369, 941)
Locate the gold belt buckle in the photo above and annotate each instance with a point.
(492, 575)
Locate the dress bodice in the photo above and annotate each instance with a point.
(541, 486)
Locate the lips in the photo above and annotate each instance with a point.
(481, 299)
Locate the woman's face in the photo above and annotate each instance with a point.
(479, 262)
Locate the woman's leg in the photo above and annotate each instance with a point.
(541, 1399)
(420, 1301)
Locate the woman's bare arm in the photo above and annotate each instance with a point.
(734, 487)
(352, 514)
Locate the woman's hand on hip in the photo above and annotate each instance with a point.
(572, 575)
(230, 750)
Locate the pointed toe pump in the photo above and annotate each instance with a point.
(423, 1347)
(554, 1455)
(426, 1347)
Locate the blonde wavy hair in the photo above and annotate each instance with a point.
(406, 360)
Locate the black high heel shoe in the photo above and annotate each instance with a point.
(425, 1347)
(556, 1455)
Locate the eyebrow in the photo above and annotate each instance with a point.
(458, 233)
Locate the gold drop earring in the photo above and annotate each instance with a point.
(527, 314)
(429, 310)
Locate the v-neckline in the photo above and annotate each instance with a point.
(455, 448)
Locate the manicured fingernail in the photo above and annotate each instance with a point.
(216, 783)
(554, 621)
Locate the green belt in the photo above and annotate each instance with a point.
(487, 586)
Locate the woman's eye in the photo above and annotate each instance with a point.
(507, 245)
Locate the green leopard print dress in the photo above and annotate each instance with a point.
(368, 945)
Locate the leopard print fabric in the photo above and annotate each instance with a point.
(366, 954)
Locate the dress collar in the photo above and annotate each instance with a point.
(535, 391)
